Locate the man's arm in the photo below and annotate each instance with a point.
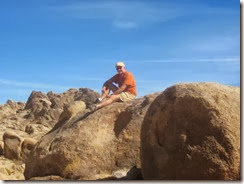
(120, 90)
(109, 81)
(104, 88)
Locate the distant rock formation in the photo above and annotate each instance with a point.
(46, 108)
(30, 121)
(192, 131)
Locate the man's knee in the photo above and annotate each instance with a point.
(111, 86)
(108, 85)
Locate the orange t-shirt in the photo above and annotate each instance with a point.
(128, 79)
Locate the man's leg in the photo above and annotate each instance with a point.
(104, 94)
(109, 87)
(112, 99)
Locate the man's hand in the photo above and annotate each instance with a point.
(104, 89)
(120, 90)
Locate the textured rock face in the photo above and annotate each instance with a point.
(47, 178)
(1, 148)
(32, 120)
(92, 146)
(11, 170)
(86, 95)
(26, 147)
(72, 110)
(46, 108)
(12, 145)
(192, 131)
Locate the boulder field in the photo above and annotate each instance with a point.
(190, 131)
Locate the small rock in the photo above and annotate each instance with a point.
(29, 129)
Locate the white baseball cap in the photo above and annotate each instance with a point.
(120, 63)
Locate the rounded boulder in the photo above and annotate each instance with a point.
(192, 132)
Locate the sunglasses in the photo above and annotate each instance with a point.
(118, 67)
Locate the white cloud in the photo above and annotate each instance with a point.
(31, 85)
(120, 14)
(131, 14)
(214, 43)
(124, 24)
(186, 60)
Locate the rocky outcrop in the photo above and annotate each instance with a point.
(192, 131)
(15, 147)
(10, 111)
(72, 110)
(86, 95)
(32, 120)
(46, 108)
(12, 145)
(91, 146)
(26, 147)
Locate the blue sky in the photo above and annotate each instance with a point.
(55, 45)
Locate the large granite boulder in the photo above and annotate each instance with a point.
(91, 146)
(192, 131)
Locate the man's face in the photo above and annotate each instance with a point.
(120, 69)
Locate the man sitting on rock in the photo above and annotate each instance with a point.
(125, 91)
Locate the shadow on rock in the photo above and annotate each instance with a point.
(121, 122)
(133, 174)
